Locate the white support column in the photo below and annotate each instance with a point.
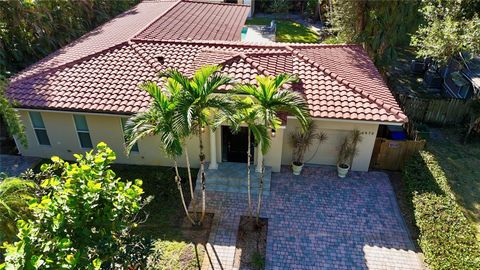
(259, 158)
(213, 151)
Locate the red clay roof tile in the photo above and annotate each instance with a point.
(96, 83)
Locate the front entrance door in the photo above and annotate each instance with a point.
(235, 145)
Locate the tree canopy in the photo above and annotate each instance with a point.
(30, 30)
(449, 27)
(381, 26)
(84, 219)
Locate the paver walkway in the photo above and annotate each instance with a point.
(318, 221)
(15, 165)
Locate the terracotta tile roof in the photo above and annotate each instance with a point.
(157, 20)
(339, 87)
(116, 31)
(198, 20)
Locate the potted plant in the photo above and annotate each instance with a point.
(301, 141)
(348, 150)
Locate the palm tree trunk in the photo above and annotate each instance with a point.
(190, 182)
(202, 172)
(260, 188)
(249, 155)
(178, 180)
(260, 192)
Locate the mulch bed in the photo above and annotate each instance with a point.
(251, 246)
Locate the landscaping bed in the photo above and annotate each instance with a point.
(446, 237)
(251, 246)
(288, 30)
(176, 245)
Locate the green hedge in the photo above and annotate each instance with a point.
(447, 238)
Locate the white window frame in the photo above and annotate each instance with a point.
(82, 131)
(34, 128)
(123, 138)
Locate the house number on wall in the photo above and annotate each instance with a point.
(367, 133)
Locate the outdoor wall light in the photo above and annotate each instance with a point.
(202, 129)
(273, 133)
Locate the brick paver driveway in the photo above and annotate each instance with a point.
(318, 221)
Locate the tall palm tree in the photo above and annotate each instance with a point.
(272, 97)
(14, 196)
(248, 115)
(199, 107)
(159, 120)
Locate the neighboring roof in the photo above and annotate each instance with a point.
(157, 19)
(116, 31)
(338, 81)
(200, 21)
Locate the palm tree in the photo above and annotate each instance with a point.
(248, 115)
(270, 100)
(159, 120)
(199, 107)
(14, 196)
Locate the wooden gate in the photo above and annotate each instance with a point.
(391, 155)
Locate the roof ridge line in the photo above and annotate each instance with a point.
(69, 64)
(215, 3)
(267, 53)
(343, 81)
(145, 56)
(154, 20)
(210, 42)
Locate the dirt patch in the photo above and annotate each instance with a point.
(406, 209)
(197, 234)
(251, 246)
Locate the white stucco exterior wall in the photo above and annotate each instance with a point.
(336, 130)
(107, 128)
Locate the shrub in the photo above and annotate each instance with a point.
(14, 196)
(83, 221)
(447, 238)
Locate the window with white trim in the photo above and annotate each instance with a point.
(39, 128)
(135, 146)
(82, 131)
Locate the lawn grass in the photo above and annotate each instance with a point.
(461, 164)
(165, 215)
(288, 30)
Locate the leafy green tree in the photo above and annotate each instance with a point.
(11, 117)
(248, 114)
(83, 221)
(381, 26)
(272, 98)
(159, 120)
(450, 27)
(14, 196)
(30, 30)
(199, 107)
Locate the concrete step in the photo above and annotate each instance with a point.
(235, 189)
(232, 177)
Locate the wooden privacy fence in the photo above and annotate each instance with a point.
(391, 155)
(434, 111)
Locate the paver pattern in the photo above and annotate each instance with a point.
(318, 221)
(15, 165)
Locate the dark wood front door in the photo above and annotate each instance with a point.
(235, 145)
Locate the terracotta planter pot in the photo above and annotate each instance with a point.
(342, 170)
(297, 169)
